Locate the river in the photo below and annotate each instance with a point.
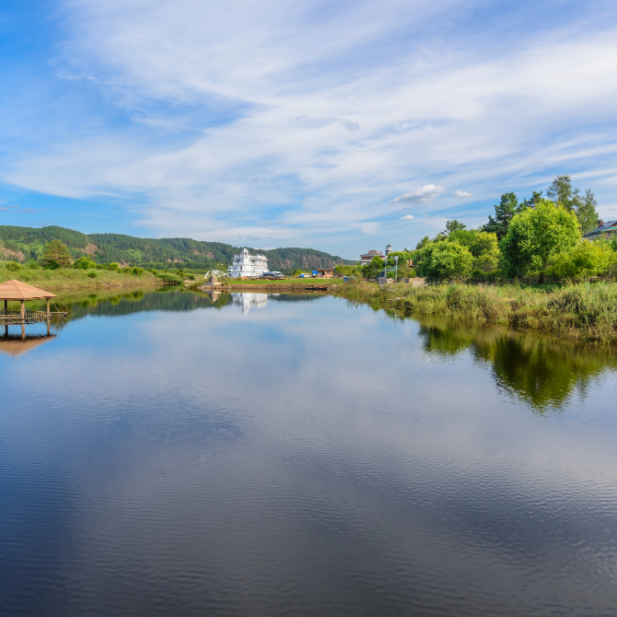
(243, 455)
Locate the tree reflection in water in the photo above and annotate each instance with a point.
(541, 371)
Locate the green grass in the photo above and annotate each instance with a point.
(68, 278)
(586, 311)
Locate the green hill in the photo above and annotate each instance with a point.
(25, 243)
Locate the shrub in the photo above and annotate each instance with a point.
(13, 266)
(137, 271)
(84, 263)
(92, 274)
(169, 278)
(445, 260)
(113, 266)
(32, 265)
(586, 259)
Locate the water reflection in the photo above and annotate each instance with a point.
(246, 301)
(541, 371)
(12, 345)
(170, 455)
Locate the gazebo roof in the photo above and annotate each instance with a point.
(16, 290)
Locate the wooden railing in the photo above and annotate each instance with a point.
(15, 317)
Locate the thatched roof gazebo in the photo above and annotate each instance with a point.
(17, 291)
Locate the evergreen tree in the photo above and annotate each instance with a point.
(533, 201)
(504, 213)
(56, 255)
(454, 226)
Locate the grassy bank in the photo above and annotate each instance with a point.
(587, 311)
(67, 279)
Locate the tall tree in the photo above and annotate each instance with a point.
(533, 201)
(535, 235)
(454, 226)
(563, 194)
(586, 212)
(56, 255)
(504, 213)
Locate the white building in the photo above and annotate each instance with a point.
(246, 264)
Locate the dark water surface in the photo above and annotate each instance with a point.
(170, 455)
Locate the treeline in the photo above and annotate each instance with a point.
(23, 244)
(537, 239)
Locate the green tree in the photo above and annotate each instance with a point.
(583, 260)
(533, 201)
(507, 209)
(445, 260)
(422, 243)
(587, 213)
(56, 255)
(563, 194)
(482, 245)
(373, 269)
(454, 226)
(535, 235)
(84, 263)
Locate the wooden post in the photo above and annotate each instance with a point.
(23, 319)
(48, 319)
(6, 312)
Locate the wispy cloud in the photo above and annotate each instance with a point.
(407, 217)
(214, 120)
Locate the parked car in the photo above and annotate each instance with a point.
(273, 275)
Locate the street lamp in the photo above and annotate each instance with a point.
(396, 268)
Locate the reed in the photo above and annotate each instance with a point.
(587, 311)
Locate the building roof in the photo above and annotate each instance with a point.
(612, 225)
(16, 290)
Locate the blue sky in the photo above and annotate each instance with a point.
(342, 126)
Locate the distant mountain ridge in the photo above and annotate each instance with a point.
(25, 243)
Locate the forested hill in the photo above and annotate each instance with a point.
(25, 243)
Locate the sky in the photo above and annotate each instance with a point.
(341, 126)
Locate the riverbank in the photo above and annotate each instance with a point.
(66, 279)
(586, 311)
(269, 286)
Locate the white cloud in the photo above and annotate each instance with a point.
(236, 115)
(407, 217)
(424, 194)
(462, 194)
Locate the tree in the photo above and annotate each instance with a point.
(454, 226)
(584, 260)
(586, 212)
(422, 243)
(373, 269)
(482, 245)
(445, 260)
(561, 192)
(533, 201)
(84, 263)
(535, 235)
(507, 209)
(56, 255)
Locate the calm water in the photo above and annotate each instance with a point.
(172, 455)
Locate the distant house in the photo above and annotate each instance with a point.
(368, 257)
(606, 230)
(247, 265)
(326, 274)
